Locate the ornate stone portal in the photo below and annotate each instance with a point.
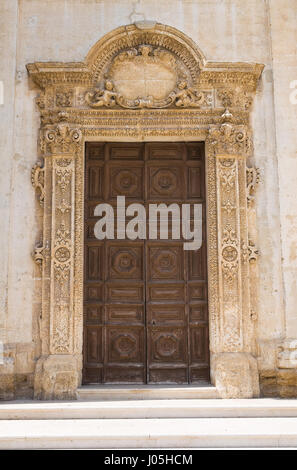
(146, 84)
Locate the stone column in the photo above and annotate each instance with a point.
(234, 367)
(56, 374)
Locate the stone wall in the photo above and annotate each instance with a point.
(259, 31)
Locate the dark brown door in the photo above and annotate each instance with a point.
(145, 301)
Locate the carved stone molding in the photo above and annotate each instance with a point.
(87, 101)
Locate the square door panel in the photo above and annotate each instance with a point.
(165, 182)
(165, 262)
(197, 291)
(94, 313)
(94, 292)
(125, 262)
(167, 345)
(124, 344)
(126, 181)
(198, 312)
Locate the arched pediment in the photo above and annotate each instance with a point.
(147, 66)
(158, 36)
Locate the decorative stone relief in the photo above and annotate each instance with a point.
(93, 99)
(64, 98)
(132, 82)
(229, 138)
(230, 254)
(230, 98)
(37, 178)
(40, 253)
(61, 139)
(252, 179)
(62, 254)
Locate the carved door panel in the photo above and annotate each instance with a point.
(145, 301)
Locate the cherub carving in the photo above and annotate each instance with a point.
(188, 96)
(106, 97)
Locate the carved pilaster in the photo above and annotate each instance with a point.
(231, 144)
(60, 144)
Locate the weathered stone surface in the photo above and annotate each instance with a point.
(236, 375)
(56, 378)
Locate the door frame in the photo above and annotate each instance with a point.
(67, 122)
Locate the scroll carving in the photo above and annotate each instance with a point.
(37, 178)
(61, 139)
(40, 253)
(249, 252)
(252, 181)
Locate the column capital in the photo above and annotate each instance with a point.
(230, 138)
(60, 139)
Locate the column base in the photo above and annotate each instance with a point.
(236, 375)
(56, 378)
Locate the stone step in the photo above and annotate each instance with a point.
(149, 409)
(140, 392)
(148, 433)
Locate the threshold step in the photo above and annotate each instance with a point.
(148, 409)
(149, 433)
(140, 392)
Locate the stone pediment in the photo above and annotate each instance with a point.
(157, 67)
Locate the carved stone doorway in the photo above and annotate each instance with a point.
(196, 101)
(145, 301)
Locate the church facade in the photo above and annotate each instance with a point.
(181, 102)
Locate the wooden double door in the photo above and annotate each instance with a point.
(145, 301)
